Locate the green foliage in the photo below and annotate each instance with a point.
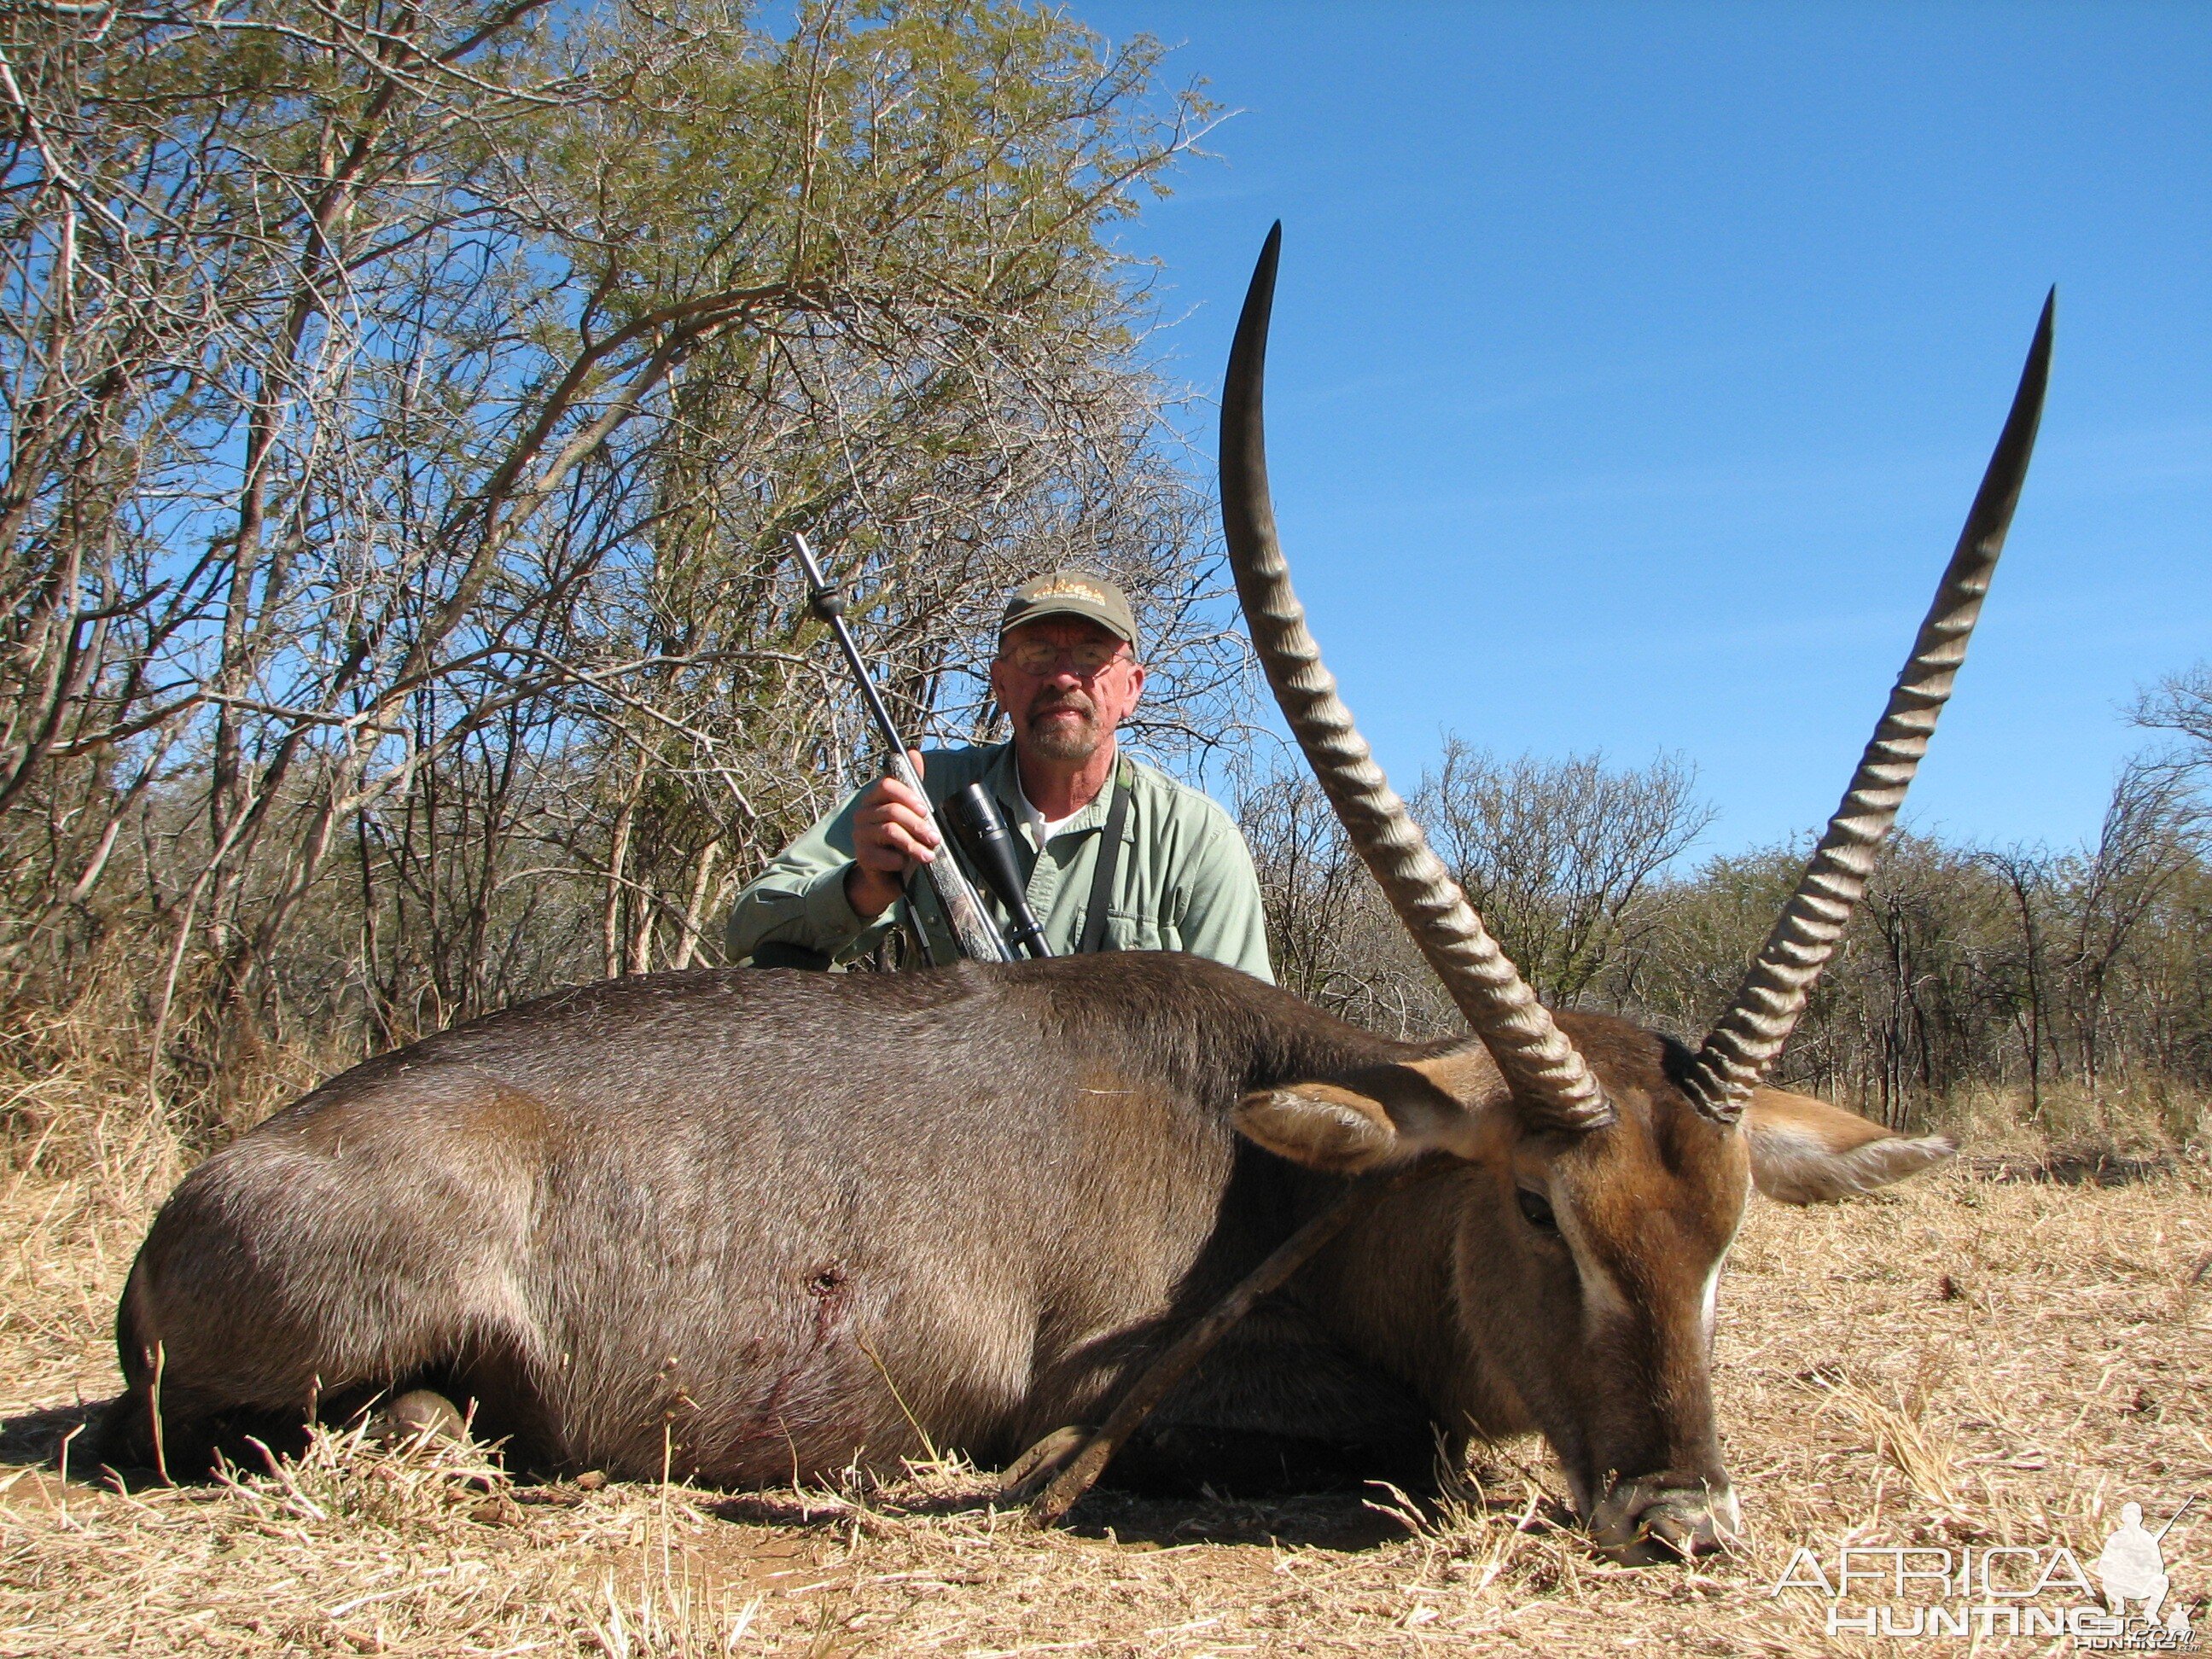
(407, 413)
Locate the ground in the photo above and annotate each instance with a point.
(2004, 1352)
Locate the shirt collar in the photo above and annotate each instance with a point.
(1004, 780)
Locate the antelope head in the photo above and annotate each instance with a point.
(1605, 1168)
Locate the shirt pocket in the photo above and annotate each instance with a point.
(1128, 930)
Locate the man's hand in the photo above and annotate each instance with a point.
(891, 833)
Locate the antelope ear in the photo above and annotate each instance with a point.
(1375, 1115)
(1320, 1126)
(1804, 1150)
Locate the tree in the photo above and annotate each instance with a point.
(406, 413)
(1559, 856)
(2181, 703)
(2145, 847)
(1331, 936)
(2028, 880)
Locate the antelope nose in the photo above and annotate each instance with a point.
(1658, 1518)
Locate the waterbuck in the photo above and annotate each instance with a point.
(750, 1226)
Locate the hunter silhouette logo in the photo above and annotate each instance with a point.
(2132, 1568)
(2006, 1590)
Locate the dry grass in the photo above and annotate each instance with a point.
(1978, 1358)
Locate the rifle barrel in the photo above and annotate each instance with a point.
(973, 931)
(2175, 1516)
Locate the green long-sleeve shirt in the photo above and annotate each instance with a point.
(1184, 881)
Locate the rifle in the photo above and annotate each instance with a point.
(974, 933)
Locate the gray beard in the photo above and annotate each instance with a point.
(1053, 741)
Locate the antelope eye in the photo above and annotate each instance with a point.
(1537, 1209)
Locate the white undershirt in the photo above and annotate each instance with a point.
(1042, 828)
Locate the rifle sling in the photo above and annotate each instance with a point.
(1109, 854)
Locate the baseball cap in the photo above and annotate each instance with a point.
(1071, 593)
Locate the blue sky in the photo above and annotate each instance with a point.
(1633, 368)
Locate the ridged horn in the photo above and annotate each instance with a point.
(1548, 1078)
(1748, 1036)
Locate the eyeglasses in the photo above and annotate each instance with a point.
(1042, 656)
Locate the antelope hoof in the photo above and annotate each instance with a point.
(418, 1414)
(1028, 1475)
(1647, 1522)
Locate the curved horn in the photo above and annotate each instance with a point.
(1746, 1038)
(1546, 1074)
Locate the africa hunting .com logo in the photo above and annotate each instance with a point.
(2006, 1590)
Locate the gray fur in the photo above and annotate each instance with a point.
(742, 1206)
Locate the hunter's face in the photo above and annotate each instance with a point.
(1066, 684)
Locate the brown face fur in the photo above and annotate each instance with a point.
(1643, 1213)
(1584, 1267)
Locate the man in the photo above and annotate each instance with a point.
(1176, 876)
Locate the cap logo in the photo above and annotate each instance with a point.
(1069, 587)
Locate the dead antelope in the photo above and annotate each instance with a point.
(764, 1224)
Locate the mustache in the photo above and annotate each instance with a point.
(1074, 702)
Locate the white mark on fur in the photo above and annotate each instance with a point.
(1603, 1301)
(1708, 1301)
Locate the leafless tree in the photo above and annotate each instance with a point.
(1560, 856)
(1331, 934)
(2144, 848)
(2181, 703)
